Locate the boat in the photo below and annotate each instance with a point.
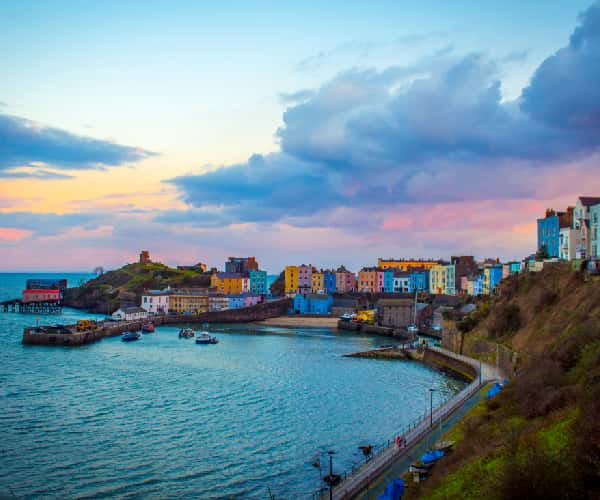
(129, 336)
(186, 333)
(148, 327)
(444, 445)
(346, 317)
(205, 338)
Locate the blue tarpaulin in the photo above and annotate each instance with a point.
(496, 388)
(432, 456)
(393, 490)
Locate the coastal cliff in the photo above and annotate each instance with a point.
(105, 293)
(539, 437)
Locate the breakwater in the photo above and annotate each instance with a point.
(35, 336)
(384, 331)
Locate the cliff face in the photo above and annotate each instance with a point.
(540, 437)
(107, 292)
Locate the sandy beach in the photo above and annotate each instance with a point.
(300, 321)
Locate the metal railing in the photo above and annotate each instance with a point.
(357, 478)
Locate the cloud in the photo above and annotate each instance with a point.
(33, 174)
(565, 91)
(49, 224)
(24, 143)
(435, 132)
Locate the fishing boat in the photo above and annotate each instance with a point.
(205, 338)
(129, 336)
(148, 327)
(444, 445)
(186, 333)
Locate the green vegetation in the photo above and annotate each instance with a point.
(540, 437)
(107, 292)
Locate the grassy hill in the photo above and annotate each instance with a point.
(105, 293)
(540, 437)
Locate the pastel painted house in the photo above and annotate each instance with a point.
(491, 277)
(330, 281)
(388, 280)
(317, 282)
(418, 281)
(235, 301)
(312, 303)
(252, 300)
(442, 279)
(156, 301)
(305, 278)
(345, 281)
(291, 279)
(595, 230)
(130, 314)
(258, 282)
(401, 281)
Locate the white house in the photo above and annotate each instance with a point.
(218, 303)
(155, 301)
(566, 243)
(130, 314)
(402, 283)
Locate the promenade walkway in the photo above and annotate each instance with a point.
(353, 484)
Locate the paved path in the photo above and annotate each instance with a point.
(368, 472)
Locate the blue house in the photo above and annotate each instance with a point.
(514, 267)
(258, 282)
(418, 281)
(548, 231)
(235, 301)
(312, 303)
(388, 281)
(329, 281)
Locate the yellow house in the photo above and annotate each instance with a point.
(228, 282)
(317, 282)
(406, 264)
(188, 301)
(291, 279)
(441, 279)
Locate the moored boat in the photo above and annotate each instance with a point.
(129, 336)
(205, 338)
(186, 333)
(148, 327)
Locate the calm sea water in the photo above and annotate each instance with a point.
(163, 417)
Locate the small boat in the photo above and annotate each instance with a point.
(186, 333)
(148, 327)
(444, 445)
(346, 317)
(129, 336)
(205, 338)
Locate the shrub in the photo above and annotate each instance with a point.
(506, 319)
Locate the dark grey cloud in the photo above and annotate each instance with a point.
(25, 143)
(438, 131)
(565, 90)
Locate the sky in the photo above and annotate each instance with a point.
(298, 132)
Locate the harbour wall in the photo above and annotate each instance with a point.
(33, 336)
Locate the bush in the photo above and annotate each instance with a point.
(533, 473)
(540, 388)
(506, 319)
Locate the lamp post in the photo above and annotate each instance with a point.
(330, 453)
(431, 389)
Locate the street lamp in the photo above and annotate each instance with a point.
(431, 389)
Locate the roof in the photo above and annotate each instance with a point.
(315, 296)
(134, 310)
(231, 275)
(394, 302)
(345, 302)
(587, 201)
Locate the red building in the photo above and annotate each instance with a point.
(34, 295)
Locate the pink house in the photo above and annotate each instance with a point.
(251, 300)
(345, 281)
(380, 281)
(304, 278)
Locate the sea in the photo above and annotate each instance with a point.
(163, 417)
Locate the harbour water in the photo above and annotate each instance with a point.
(163, 417)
